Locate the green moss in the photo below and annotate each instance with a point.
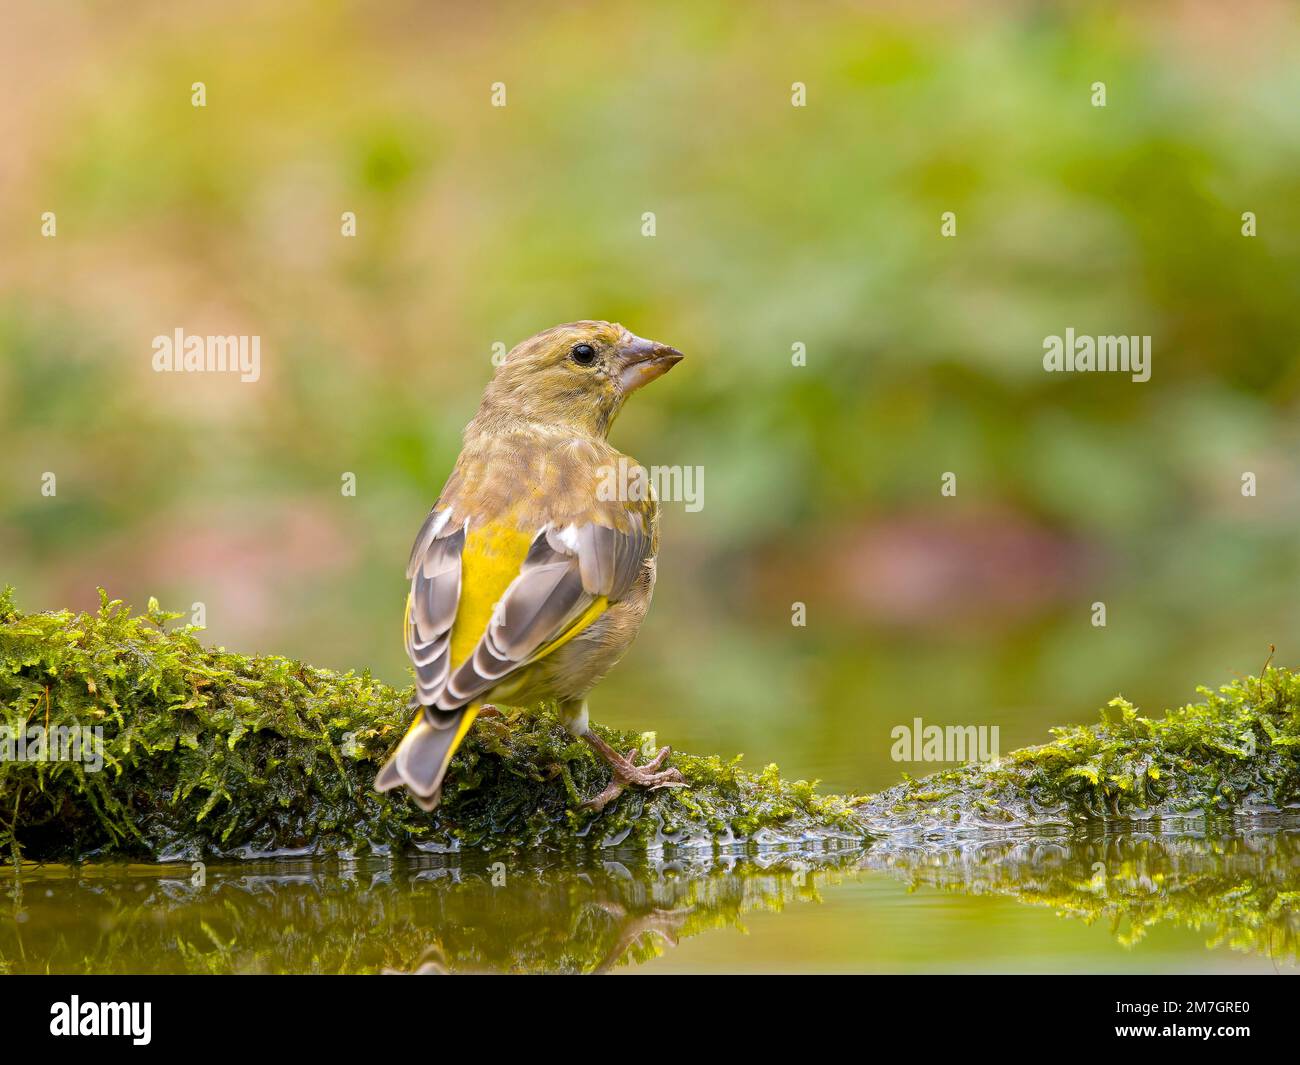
(209, 753)
(1235, 754)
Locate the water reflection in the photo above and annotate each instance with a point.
(446, 914)
(467, 913)
(1240, 890)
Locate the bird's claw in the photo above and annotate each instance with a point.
(627, 773)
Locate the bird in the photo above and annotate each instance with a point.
(533, 571)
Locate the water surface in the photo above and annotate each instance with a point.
(1101, 903)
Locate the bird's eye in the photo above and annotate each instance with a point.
(583, 354)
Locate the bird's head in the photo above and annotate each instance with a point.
(575, 376)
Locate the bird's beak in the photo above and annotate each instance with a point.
(640, 361)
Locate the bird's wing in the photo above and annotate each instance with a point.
(434, 570)
(566, 576)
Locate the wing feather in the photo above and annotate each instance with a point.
(565, 572)
(435, 573)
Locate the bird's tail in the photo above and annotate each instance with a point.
(420, 760)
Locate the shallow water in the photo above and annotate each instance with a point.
(1195, 903)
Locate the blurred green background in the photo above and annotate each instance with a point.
(775, 225)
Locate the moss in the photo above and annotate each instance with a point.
(1233, 755)
(207, 753)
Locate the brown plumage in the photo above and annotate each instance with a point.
(529, 578)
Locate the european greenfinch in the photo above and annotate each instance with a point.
(530, 577)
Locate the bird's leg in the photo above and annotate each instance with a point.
(573, 715)
(627, 772)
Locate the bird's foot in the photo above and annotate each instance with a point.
(627, 773)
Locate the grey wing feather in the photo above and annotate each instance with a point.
(535, 608)
(609, 560)
(435, 572)
(433, 524)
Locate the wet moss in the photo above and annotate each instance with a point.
(207, 753)
(1234, 755)
(210, 753)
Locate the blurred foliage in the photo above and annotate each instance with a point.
(775, 225)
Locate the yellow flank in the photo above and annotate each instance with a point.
(490, 560)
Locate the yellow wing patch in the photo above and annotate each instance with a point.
(491, 559)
